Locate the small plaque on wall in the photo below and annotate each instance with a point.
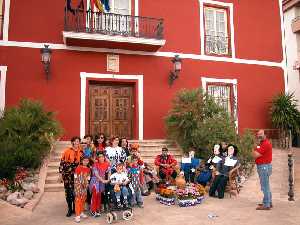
(113, 63)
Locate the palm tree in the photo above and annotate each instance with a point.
(284, 114)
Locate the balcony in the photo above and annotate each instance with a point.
(116, 31)
(217, 45)
(296, 25)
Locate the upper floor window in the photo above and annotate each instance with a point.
(217, 28)
(122, 7)
(216, 31)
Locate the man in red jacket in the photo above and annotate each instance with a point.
(166, 164)
(263, 159)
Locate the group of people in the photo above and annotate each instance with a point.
(216, 169)
(96, 172)
(217, 166)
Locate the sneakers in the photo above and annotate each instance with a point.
(77, 219)
(119, 205)
(82, 215)
(140, 205)
(125, 203)
(95, 214)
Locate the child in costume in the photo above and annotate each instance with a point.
(81, 182)
(100, 169)
(87, 146)
(134, 173)
(119, 180)
(68, 163)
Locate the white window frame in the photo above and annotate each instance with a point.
(202, 27)
(233, 82)
(3, 70)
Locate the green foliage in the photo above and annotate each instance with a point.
(245, 145)
(26, 133)
(195, 120)
(284, 113)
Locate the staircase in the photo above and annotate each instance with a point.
(148, 148)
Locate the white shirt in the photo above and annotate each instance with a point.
(119, 178)
(115, 155)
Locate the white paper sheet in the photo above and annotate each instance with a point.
(216, 159)
(186, 160)
(230, 162)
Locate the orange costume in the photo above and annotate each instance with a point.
(81, 182)
(69, 161)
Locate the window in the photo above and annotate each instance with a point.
(224, 91)
(222, 94)
(115, 21)
(216, 31)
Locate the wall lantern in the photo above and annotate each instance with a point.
(46, 57)
(174, 74)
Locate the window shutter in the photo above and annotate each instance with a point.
(220, 23)
(209, 22)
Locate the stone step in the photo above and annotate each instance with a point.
(57, 187)
(54, 164)
(52, 180)
(52, 172)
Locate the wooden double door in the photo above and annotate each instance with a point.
(111, 110)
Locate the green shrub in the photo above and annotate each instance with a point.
(26, 133)
(284, 113)
(246, 144)
(195, 120)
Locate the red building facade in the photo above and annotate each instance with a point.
(110, 72)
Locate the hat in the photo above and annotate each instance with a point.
(165, 149)
(134, 146)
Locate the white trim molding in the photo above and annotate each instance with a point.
(139, 78)
(202, 30)
(3, 70)
(130, 52)
(284, 57)
(136, 7)
(116, 38)
(205, 80)
(6, 20)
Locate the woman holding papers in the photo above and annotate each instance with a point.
(222, 172)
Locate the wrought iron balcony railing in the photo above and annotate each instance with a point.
(113, 24)
(217, 45)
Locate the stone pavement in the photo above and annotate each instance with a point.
(230, 211)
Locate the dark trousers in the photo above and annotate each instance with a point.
(163, 176)
(219, 184)
(189, 176)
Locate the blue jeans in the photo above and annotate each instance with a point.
(137, 197)
(124, 192)
(264, 172)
